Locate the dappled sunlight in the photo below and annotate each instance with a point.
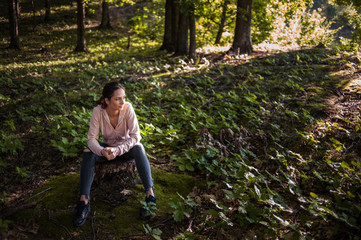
(267, 143)
(213, 49)
(355, 85)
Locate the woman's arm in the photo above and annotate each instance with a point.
(93, 133)
(134, 131)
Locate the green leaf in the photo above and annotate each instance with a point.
(181, 167)
(64, 140)
(258, 193)
(345, 166)
(178, 216)
(213, 212)
(314, 195)
(189, 167)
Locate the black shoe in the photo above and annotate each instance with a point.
(149, 207)
(82, 212)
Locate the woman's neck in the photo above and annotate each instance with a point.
(112, 113)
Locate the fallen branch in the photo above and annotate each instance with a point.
(38, 194)
(14, 210)
(11, 210)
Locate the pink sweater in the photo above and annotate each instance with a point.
(124, 136)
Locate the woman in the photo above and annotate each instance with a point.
(116, 120)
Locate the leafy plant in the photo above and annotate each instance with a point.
(150, 207)
(155, 233)
(71, 132)
(182, 208)
(22, 172)
(9, 143)
(4, 224)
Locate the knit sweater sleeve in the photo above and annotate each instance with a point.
(93, 133)
(133, 130)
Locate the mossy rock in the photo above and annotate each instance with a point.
(55, 205)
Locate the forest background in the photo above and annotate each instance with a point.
(249, 112)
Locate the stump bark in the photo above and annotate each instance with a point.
(112, 179)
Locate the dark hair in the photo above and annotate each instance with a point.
(108, 92)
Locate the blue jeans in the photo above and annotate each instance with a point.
(137, 153)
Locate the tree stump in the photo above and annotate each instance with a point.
(112, 179)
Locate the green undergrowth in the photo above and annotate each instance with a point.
(55, 202)
(275, 139)
(263, 132)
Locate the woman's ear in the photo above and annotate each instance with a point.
(106, 101)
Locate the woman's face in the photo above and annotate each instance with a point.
(117, 100)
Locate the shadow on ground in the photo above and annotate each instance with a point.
(52, 210)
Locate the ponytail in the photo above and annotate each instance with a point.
(101, 102)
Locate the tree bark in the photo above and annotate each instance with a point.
(34, 16)
(242, 42)
(14, 32)
(175, 24)
(168, 38)
(105, 16)
(17, 7)
(81, 45)
(182, 43)
(47, 11)
(87, 9)
(223, 22)
(192, 33)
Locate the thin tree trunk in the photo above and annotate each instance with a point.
(175, 24)
(182, 43)
(17, 7)
(81, 46)
(192, 34)
(223, 22)
(87, 9)
(105, 16)
(34, 17)
(47, 11)
(168, 40)
(14, 32)
(242, 42)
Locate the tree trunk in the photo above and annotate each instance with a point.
(168, 38)
(47, 11)
(81, 46)
(14, 32)
(87, 9)
(242, 42)
(17, 7)
(175, 24)
(34, 16)
(105, 16)
(192, 34)
(223, 21)
(182, 43)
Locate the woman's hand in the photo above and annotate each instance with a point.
(109, 153)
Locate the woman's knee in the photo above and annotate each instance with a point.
(86, 150)
(139, 148)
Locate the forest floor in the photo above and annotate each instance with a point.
(296, 112)
(40, 166)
